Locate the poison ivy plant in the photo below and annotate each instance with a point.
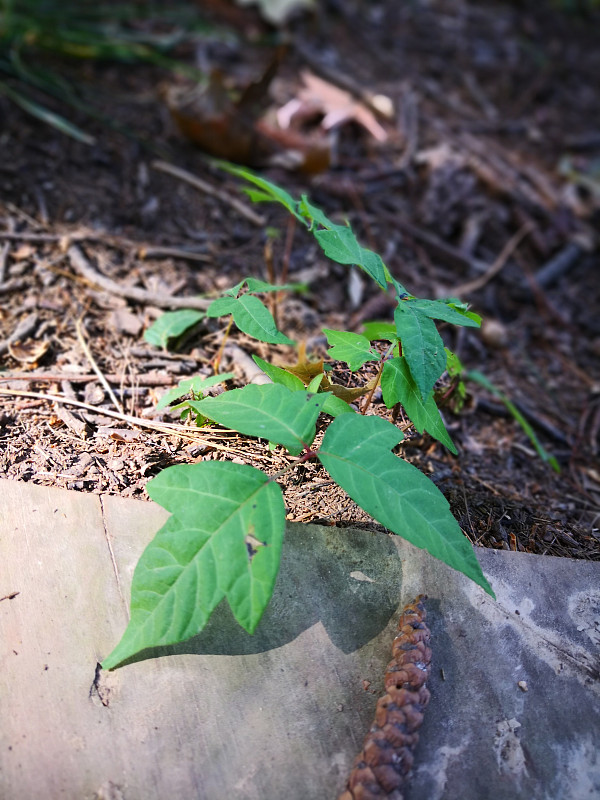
(224, 537)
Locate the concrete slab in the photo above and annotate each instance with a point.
(515, 709)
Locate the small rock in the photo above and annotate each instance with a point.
(494, 333)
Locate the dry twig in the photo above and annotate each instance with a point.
(84, 268)
(203, 186)
(163, 427)
(95, 367)
(506, 252)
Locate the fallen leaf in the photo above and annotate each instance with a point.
(303, 368)
(337, 106)
(28, 352)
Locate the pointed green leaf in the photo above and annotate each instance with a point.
(376, 330)
(256, 285)
(221, 306)
(251, 316)
(170, 325)
(422, 346)
(269, 411)
(314, 386)
(334, 406)
(341, 245)
(314, 213)
(223, 540)
(268, 191)
(446, 311)
(279, 375)
(196, 384)
(353, 348)
(356, 453)
(398, 386)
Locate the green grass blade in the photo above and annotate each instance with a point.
(45, 115)
(480, 378)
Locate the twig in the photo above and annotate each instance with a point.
(3, 256)
(163, 427)
(147, 379)
(81, 265)
(439, 248)
(173, 252)
(143, 250)
(212, 191)
(95, 367)
(497, 266)
(558, 265)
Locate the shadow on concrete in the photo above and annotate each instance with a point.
(336, 576)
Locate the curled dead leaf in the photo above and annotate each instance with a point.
(28, 352)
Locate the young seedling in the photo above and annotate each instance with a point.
(225, 533)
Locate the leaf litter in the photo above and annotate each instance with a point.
(439, 220)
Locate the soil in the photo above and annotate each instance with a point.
(494, 135)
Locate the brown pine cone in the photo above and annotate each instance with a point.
(381, 768)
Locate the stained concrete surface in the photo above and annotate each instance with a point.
(515, 708)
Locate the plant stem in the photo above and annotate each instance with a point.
(306, 456)
(382, 360)
(219, 356)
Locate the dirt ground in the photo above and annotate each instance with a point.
(483, 186)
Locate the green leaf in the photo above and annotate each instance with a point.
(251, 316)
(223, 540)
(279, 375)
(398, 386)
(478, 377)
(334, 406)
(385, 331)
(170, 325)
(422, 346)
(269, 411)
(190, 385)
(446, 311)
(353, 348)
(314, 214)
(341, 245)
(314, 386)
(256, 285)
(268, 191)
(454, 366)
(356, 453)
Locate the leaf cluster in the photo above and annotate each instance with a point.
(225, 534)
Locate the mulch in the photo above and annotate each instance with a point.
(484, 188)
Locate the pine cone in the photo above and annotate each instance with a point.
(381, 768)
